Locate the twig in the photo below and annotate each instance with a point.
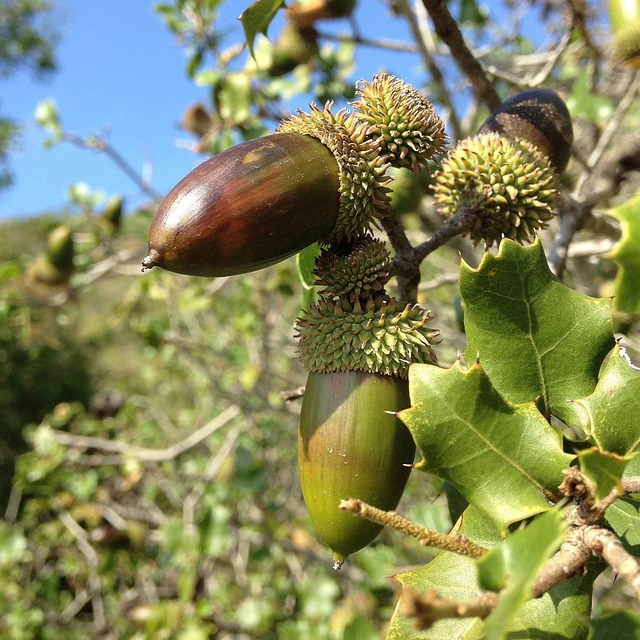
(447, 29)
(605, 544)
(102, 145)
(147, 455)
(631, 484)
(579, 205)
(91, 558)
(209, 474)
(429, 607)
(426, 537)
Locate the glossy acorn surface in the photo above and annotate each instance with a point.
(540, 117)
(350, 446)
(247, 208)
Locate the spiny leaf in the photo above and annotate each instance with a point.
(536, 337)
(627, 254)
(501, 457)
(603, 469)
(610, 414)
(512, 566)
(257, 18)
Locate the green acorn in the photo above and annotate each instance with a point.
(510, 186)
(351, 444)
(294, 46)
(111, 215)
(305, 14)
(247, 208)
(55, 266)
(357, 344)
(625, 26)
(540, 117)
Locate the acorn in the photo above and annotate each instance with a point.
(294, 46)
(111, 216)
(320, 178)
(196, 120)
(247, 208)
(625, 26)
(540, 117)
(357, 344)
(55, 266)
(306, 14)
(351, 444)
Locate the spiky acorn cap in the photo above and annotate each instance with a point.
(356, 270)
(626, 44)
(510, 185)
(363, 194)
(378, 335)
(401, 120)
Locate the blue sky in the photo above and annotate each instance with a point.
(120, 70)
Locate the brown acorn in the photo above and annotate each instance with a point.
(307, 13)
(247, 208)
(537, 116)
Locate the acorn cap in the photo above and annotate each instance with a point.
(355, 270)
(363, 194)
(540, 117)
(401, 121)
(509, 183)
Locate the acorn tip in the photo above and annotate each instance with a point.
(152, 260)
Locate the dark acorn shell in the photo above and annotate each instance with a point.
(247, 208)
(539, 116)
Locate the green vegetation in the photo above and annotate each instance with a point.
(148, 421)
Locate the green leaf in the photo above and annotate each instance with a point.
(306, 263)
(610, 414)
(622, 625)
(454, 577)
(511, 568)
(623, 516)
(626, 254)
(257, 18)
(603, 469)
(536, 337)
(501, 457)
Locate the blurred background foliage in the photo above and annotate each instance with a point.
(148, 478)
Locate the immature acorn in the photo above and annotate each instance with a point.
(357, 344)
(55, 266)
(625, 26)
(294, 46)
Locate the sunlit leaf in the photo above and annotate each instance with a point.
(603, 469)
(610, 414)
(512, 566)
(536, 337)
(257, 18)
(501, 457)
(626, 253)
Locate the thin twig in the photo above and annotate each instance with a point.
(143, 454)
(91, 558)
(426, 537)
(103, 146)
